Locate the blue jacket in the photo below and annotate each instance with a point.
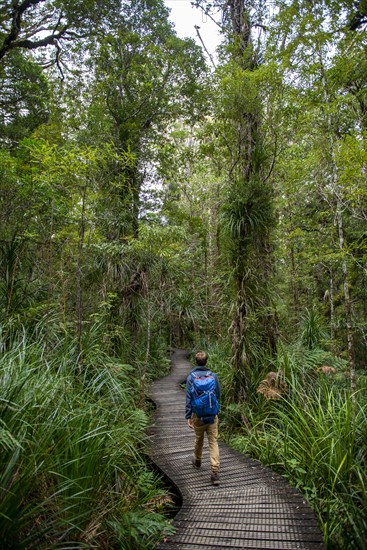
(200, 371)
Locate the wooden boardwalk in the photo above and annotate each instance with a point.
(251, 508)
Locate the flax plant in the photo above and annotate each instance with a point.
(71, 453)
(316, 437)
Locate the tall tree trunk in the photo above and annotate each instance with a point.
(332, 310)
(12, 259)
(347, 302)
(79, 290)
(339, 223)
(50, 275)
(251, 257)
(294, 284)
(145, 285)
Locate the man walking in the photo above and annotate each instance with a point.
(202, 407)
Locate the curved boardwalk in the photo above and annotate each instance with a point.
(252, 507)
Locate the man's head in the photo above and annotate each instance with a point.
(201, 358)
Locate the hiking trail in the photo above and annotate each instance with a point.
(252, 508)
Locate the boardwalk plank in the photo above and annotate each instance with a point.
(253, 508)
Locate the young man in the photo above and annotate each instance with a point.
(207, 424)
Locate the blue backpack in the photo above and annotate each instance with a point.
(204, 401)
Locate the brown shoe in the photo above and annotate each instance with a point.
(196, 462)
(214, 478)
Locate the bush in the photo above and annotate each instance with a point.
(316, 436)
(72, 467)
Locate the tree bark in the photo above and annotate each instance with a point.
(347, 302)
(251, 260)
(79, 276)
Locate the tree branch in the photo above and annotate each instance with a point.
(33, 44)
(273, 159)
(206, 11)
(16, 24)
(205, 48)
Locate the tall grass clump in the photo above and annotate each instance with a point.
(316, 436)
(72, 472)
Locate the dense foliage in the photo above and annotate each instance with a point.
(72, 470)
(145, 203)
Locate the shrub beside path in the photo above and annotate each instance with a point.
(252, 508)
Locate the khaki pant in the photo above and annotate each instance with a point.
(212, 433)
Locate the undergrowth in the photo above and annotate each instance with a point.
(315, 435)
(73, 472)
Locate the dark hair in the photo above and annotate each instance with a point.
(201, 358)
